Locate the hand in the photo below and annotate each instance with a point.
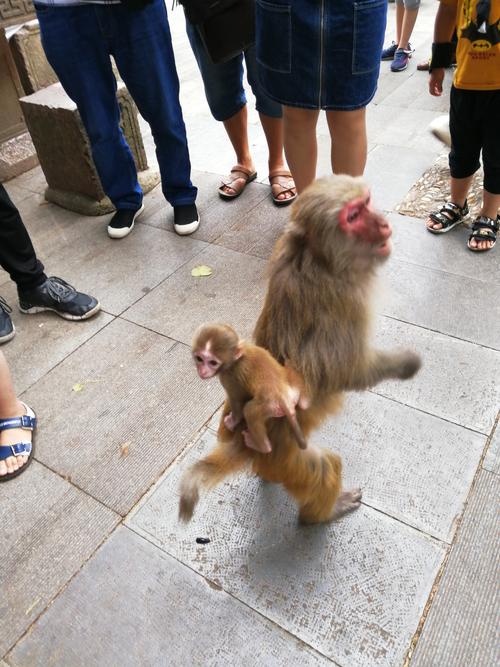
(436, 78)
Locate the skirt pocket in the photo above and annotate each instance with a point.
(273, 28)
(370, 18)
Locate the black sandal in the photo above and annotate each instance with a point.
(484, 229)
(449, 215)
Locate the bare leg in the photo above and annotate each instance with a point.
(273, 129)
(10, 406)
(400, 12)
(490, 208)
(349, 144)
(407, 25)
(459, 189)
(301, 147)
(236, 128)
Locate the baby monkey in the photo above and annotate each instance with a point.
(257, 386)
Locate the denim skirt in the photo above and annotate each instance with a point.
(320, 54)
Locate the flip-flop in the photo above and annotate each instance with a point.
(238, 173)
(282, 178)
(28, 422)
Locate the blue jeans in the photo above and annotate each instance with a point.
(224, 82)
(78, 42)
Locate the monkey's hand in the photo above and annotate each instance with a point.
(230, 422)
(408, 366)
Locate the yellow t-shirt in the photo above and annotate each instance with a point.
(478, 54)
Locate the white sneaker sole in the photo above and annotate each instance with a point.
(185, 230)
(7, 337)
(121, 232)
(66, 316)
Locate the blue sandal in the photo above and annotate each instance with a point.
(28, 422)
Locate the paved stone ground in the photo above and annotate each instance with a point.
(95, 568)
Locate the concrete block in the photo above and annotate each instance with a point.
(49, 529)
(233, 294)
(64, 150)
(32, 64)
(17, 155)
(462, 624)
(492, 458)
(353, 590)
(458, 380)
(137, 404)
(175, 617)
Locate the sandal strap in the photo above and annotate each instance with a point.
(19, 449)
(482, 222)
(237, 172)
(25, 421)
(449, 213)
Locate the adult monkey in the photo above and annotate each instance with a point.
(316, 318)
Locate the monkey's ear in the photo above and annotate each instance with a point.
(238, 350)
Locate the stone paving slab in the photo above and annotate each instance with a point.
(153, 611)
(384, 126)
(457, 382)
(429, 298)
(138, 391)
(492, 458)
(121, 272)
(353, 590)
(256, 232)
(233, 294)
(387, 183)
(43, 340)
(462, 625)
(51, 530)
(410, 465)
(447, 253)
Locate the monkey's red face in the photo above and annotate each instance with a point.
(358, 220)
(207, 363)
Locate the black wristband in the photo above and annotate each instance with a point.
(441, 55)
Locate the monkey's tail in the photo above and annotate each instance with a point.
(206, 474)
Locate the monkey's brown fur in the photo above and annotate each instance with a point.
(316, 317)
(257, 386)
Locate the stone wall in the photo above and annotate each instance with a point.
(15, 11)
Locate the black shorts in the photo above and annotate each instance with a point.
(475, 126)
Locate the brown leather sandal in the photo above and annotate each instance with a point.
(238, 173)
(282, 182)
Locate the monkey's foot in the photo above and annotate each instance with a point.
(348, 501)
(249, 442)
(230, 422)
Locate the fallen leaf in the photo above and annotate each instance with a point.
(31, 607)
(78, 387)
(201, 271)
(124, 449)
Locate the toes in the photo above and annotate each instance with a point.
(356, 495)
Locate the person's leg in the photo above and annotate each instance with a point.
(301, 148)
(400, 12)
(237, 130)
(488, 105)
(349, 143)
(226, 99)
(10, 407)
(75, 43)
(271, 118)
(406, 22)
(463, 161)
(142, 48)
(17, 255)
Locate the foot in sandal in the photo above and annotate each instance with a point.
(237, 181)
(449, 215)
(282, 187)
(484, 233)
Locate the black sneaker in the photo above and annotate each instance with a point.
(55, 294)
(7, 330)
(122, 223)
(186, 219)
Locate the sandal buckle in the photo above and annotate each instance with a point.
(26, 421)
